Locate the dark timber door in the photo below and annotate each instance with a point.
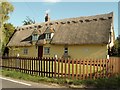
(40, 51)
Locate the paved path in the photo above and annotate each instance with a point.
(14, 83)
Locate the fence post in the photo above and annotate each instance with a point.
(62, 67)
(39, 65)
(49, 66)
(30, 66)
(46, 66)
(102, 68)
(72, 69)
(76, 69)
(97, 62)
(87, 63)
(68, 68)
(118, 65)
(65, 67)
(52, 66)
(80, 68)
(55, 68)
(83, 69)
(94, 68)
(117, 62)
(100, 63)
(90, 68)
(17, 61)
(58, 66)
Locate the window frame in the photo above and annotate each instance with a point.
(65, 50)
(34, 37)
(48, 36)
(47, 50)
(25, 51)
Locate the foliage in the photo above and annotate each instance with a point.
(113, 82)
(6, 9)
(28, 21)
(107, 82)
(116, 48)
(7, 29)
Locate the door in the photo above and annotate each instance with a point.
(40, 51)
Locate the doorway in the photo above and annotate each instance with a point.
(40, 51)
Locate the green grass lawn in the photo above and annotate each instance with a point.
(109, 83)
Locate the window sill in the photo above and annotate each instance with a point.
(66, 56)
(46, 54)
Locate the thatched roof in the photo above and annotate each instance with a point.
(49, 30)
(79, 30)
(36, 32)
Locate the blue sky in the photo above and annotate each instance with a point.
(61, 10)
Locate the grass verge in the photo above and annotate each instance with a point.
(113, 82)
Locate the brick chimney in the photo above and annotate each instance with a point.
(47, 18)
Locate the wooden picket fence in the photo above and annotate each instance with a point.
(63, 68)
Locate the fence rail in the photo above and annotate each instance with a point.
(51, 67)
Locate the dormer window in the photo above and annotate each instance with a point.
(49, 33)
(48, 36)
(34, 37)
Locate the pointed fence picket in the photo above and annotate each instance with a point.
(63, 68)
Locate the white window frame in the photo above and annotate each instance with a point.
(34, 37)
(25, 51)
(46, 50)
(48, 36)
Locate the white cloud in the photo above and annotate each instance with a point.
(52, 1)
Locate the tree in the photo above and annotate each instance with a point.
(9, 29)
(5, 9)
(8, 32)
(116, 47)
(28, 21)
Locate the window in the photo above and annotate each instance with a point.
(48, 36)
(25, 51)
(47, 50)
(66, 50)
(34, 37)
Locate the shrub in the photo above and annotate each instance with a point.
(89, 82)
(77, 82)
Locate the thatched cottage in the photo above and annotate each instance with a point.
(80, 37)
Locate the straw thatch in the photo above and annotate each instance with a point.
(49, 30)
(79, 30)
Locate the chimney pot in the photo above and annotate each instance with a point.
(47, 18)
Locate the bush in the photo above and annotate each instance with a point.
(77, 82)
(89, 82)
(112, 82)
(69, 81)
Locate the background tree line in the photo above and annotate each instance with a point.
(115, 51)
